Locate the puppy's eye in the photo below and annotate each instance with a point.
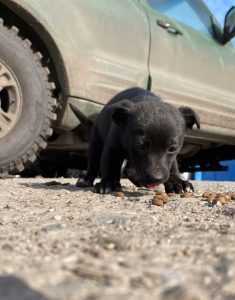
(171, 149)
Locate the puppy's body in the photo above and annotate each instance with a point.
(136, 125)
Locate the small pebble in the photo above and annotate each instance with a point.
(110, 246)
(186, 195)
(119, 194)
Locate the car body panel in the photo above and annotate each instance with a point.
(104, 44)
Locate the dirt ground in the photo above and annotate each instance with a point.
(59, 242)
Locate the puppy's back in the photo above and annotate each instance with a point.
(133, 94)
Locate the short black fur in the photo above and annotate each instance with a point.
(137, 126)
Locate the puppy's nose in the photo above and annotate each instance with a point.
(156, 178)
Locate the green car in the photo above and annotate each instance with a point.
(57, 57)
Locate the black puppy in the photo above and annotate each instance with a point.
(136, 125)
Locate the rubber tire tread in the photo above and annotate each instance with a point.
(21, 146)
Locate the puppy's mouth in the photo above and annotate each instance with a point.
(152, 186)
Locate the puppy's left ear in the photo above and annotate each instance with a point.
(190, 117)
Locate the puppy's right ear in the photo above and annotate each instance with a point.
(121, 112)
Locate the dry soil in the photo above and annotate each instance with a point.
(61, 242)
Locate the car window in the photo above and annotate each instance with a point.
(219, 10)
(188, 12)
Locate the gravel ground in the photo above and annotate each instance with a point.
(59, 242)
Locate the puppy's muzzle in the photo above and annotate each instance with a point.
(153, 182)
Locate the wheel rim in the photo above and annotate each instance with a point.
(10, 100)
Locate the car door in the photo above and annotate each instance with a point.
(188, 66)
(112, 48)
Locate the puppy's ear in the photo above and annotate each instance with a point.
(121, 112)
(190, 117)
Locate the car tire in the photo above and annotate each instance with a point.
(26, 102)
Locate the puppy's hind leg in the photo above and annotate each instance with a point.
(94, 157)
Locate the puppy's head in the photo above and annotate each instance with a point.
(152, 134)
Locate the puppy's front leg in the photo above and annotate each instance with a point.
(175, 183)
(111, 163)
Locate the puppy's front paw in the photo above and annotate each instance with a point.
(104, 187)
(187, 186)
(178, 186)
(83, 182)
